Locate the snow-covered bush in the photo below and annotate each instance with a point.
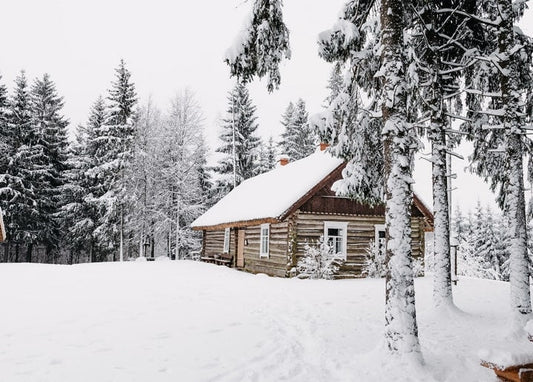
(374, 266)
(319, 262)
(418, 267)
(471, 263)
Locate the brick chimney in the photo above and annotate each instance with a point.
(323, 146)
(283, 160)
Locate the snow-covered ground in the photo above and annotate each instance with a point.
(188, 321)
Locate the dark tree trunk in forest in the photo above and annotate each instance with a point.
(401, 330)
(29, 251)
(7, 247)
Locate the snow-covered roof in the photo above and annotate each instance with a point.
(272, 194)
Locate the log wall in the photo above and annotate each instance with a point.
(276, 263)
(361, 230)
(288, 240)
(214, 243)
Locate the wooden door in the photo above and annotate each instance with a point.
(240, 248)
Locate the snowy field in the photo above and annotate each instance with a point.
(188, 321)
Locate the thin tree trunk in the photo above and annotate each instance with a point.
(516, 209)
(515, 201)
(17, 247)
(29, 251)
(401, 329)
(7, 246)
(178, 231)
(442, 283)
(121, 235)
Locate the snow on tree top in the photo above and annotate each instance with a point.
(271, 194)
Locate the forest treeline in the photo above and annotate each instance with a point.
(129, 181)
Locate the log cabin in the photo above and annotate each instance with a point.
(266, 221)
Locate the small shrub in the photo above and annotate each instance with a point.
(374, 266)
(319, 262)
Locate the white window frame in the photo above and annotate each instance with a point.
(264, 252)
(338, 225)
(227, 235)
(377, 229)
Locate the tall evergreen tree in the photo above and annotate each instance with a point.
(49, 158)
(379, 66)
(502, 80)
(17, 191)
(80, 214)
(113, 154)
(399, 141)
(298, 140)
(266, 156)
(239, 140)
(6, 144)
(439, 64)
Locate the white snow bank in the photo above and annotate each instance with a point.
(529, 327)
(191, 321)
(271, 194)
(505, 358)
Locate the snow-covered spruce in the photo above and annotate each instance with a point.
(261, 45)
(502, 81)
(239, 141)
(298, 140)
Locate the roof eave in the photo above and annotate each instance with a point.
(236, 224)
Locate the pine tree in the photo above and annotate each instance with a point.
(353, 129)
(438, 68)
(113, 154)
(266, 157)
(298, 139)
(261, 45)
(80, 214)
(379, 67)
(19, 201)
(459, 224)
(502, 80)
(399, 140)
(239, 141)
(49, 158)
(6, 145)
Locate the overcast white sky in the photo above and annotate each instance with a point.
(169, 45)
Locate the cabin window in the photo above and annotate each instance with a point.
(335, 235)
(226, 240)
(380, 241)
(264, 241)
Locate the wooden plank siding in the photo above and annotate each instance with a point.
(276, 263)
(361, 230)
(288, 240)
(214, 243)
